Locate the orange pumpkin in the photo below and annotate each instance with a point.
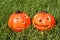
(43, 21)
(19, 21)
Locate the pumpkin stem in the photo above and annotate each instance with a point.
(45, 11)
(18, 11)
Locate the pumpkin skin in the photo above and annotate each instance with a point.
(19, 21)
(43, 21)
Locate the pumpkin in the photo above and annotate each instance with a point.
(19, 21)
(43, 21)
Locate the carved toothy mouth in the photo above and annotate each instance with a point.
(42, 25)
(18, 28)
(45, 25)
(36, 24)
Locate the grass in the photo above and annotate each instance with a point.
(31, 7)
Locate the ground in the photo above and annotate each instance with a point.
(31, 7)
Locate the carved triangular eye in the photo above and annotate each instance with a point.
(26, 16)
(47, 18)
(17, 18)
(23, 22)
(40, 20)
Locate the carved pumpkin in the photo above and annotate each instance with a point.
(43, 21)
(19, 21)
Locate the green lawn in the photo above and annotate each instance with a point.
(31, 7)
